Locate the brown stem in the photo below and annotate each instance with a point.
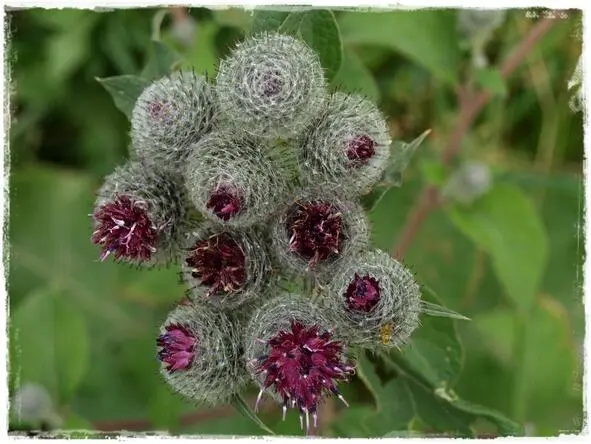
(470, 106)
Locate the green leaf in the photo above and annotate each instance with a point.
(240, 405)
(352, 422)
(125, 90)
(355, 77)
(434, 351)
(75, 422)
(434, 172)
(161, 62)
(505, 426)
(319, 29)
(403, 399)
(428, 37)
(401, 155)
(505, 224)
(202, 57)
(491, 80)
(548, 358)
(50, 344)
(68, 49)
(267, 20)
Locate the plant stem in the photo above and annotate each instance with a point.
(470, 104)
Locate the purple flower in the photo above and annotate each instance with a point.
(272, 83)
(360, 149)
(225, 202)
(177, 348)
(303, 366)
(125, 230)
(363, 293)
(219, 263)
(316, 230)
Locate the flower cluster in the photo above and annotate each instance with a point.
(245, 183)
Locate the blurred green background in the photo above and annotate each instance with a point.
(85, 330)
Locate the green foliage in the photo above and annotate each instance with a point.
(491, 80)
(318, 28)
(61, 366)
(125, 90)
(511, 261)
(428, 37)
(504, 223)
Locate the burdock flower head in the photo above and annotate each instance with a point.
(199, 352)
(375, 300)
(349, 144)
(316, 230)
(138, 214)
(170, 115)
(225, 268)
(293, 354)
(234, 181)
(271, 85)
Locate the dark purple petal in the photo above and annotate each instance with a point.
(316, 231)
(302, 367)
(363, 293)
(225, 202)
(360, 149)
(219, 263)
(177, 348)
(125, 230)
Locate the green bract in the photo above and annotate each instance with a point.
(215, 372)
(349, 144)
(233, 180)
(375, 300)
(271, 86)
(170, 115)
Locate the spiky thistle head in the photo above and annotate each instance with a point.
(271, 85)
(169, 116)
(139, 215)
(316, 230)
(375, 300)
(234, 181)
(349, 144)
(199, 351)
(225, 268)
(294, 354)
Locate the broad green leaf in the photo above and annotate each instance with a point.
(319, 29)
(161, 62)
(50, 344)
(69, 48)
(265, 20)
(355, 77)
(202, 57)
(506, 225)
(352, 422)
(434, 351)
(50, 247)
(366, 372)
(403, 399)
(490, 79)
(240, 405)
(426, 36)
(547, 359)
(505, 426)
(125, 90)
